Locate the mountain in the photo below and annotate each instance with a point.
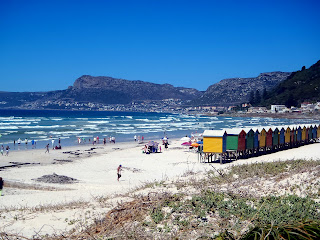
(105, 90)
(300, 86)
(234, 91)
(112, 90)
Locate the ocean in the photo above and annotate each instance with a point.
(44, 125)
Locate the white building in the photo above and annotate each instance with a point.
(278, 108)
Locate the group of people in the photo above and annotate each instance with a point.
(53, 145)
(96, 140)
(138, 138)
(7, 150)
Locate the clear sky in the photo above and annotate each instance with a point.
(48, 44)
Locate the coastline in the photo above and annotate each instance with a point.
(44, 207)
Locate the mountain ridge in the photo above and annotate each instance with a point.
(234, 91)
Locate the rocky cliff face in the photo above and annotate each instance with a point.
(235, 91)
(113, 90)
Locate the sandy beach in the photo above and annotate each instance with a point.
(31, 208)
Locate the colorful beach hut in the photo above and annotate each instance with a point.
(287, 136)
(242, 141)
(299, 134)
(214, 141)
(303, 134)
(256, 139)
(314, 132)
(250, 140)
(269, 138)
(282, 136)
(262, 138)
(232, 138)
(310, 133)
(275, 137)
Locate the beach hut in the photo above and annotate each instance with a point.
(287, 136)
(269, 138)
(250, 140)
(242, 141)
(232, 139)
(256, 139)
(275, 137)
(314, 132)
(299, 135)
(310, 133)
(214, 141)
(262, 140)
(282, 137)
(303, 134)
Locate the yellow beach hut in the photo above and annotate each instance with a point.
(287, 135)
(262, 138)
(303, 133)
(214, 141)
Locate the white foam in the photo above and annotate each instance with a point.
(99, 122)
(35, 132)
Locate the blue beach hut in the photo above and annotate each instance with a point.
(282, 136)
(314, 132)
(299, 134)
(256, 139)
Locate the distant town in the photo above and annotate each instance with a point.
(171, 106)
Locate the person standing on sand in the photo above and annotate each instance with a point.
(135, 138)
(7, 150)
(52, 141)
(2, 149)
(47, 147)
(119, 169)
(1, 185)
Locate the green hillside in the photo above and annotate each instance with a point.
(300, 86)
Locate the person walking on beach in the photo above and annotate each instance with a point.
(1, 185)
(52, 141)
(2, 149)
(135, 138)
(47, 147)
(7, 150)
(119, 169)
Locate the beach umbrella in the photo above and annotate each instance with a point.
(200, 142)
(186, 144)
(164, 138)
(185, 139)
(195, 144)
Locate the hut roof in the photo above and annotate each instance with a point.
(213, 133)
(233, 131)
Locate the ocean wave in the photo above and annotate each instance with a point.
(35, 132)
(14, 123)
(56, 119)
(99, 122)
(9, 127)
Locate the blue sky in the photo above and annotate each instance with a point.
(48, 44)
